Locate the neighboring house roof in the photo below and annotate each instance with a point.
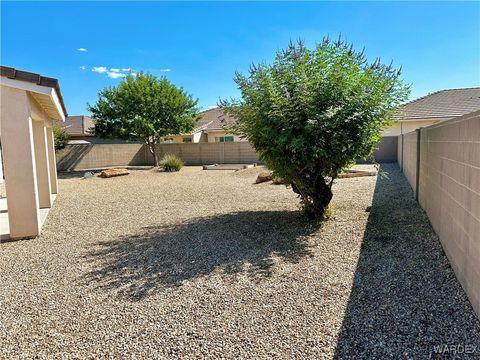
(78, 125)
(213, 119)
(15, 74)
(443, 104)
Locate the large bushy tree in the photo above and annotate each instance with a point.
(313, 112)
(145, 108)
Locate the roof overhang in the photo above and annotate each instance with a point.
(47, 97)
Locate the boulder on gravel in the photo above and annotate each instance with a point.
(277, 180)
(108, 173)
(356, 173)
(263, 177)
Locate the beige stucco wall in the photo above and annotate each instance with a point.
(1, 167)
(449, 192)
(25, 130)
(178, 139)
(200, 137)
(41, 163)
(211, 135)
(20, 173)
(203, 137)
(403, 127)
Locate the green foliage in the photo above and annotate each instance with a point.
(171, 162)
(312, 113)
(61, 137)
(144, 108)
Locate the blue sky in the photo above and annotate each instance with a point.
(199, 46)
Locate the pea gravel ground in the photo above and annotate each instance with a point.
(204, 264)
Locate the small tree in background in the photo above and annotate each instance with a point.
(60, 137)
(144, 108)
(312, 113)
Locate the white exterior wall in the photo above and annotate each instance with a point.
(403, 127)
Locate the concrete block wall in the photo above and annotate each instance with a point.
(410, 144)
(77, 157)
(94, 156)
(211, 153)
(449, 192)
(386, 151)
(400, 151)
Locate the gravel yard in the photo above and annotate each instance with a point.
(202, 264)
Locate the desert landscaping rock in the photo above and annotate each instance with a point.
(108, 173)
(277, 180)
(205, 264)
(264, 176)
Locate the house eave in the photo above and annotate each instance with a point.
(46, 97)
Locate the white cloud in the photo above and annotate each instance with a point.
(115, 75)
(83, 67)
(100, 69)
(166, 70)
(82, 49)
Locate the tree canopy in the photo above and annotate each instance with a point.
(145, 108)
(312, 113)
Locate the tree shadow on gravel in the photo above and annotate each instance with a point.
(136, 266)
(405, 298)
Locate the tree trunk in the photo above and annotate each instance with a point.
(320, 199)
(315, 204)
(151, 148)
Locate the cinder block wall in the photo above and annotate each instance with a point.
(410, 158)
(400, 151)
(211, 153)
(386, 150)
(449, 192)
(78, 157)
(94, 156)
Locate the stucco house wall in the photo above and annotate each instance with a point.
(211, 135)
(403, 127)
(30, 105)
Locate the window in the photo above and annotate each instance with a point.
(224, 139)
(187, 139)
(168, 140)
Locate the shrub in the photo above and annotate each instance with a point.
(311, 113)
(60, 137)
(171, 162)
